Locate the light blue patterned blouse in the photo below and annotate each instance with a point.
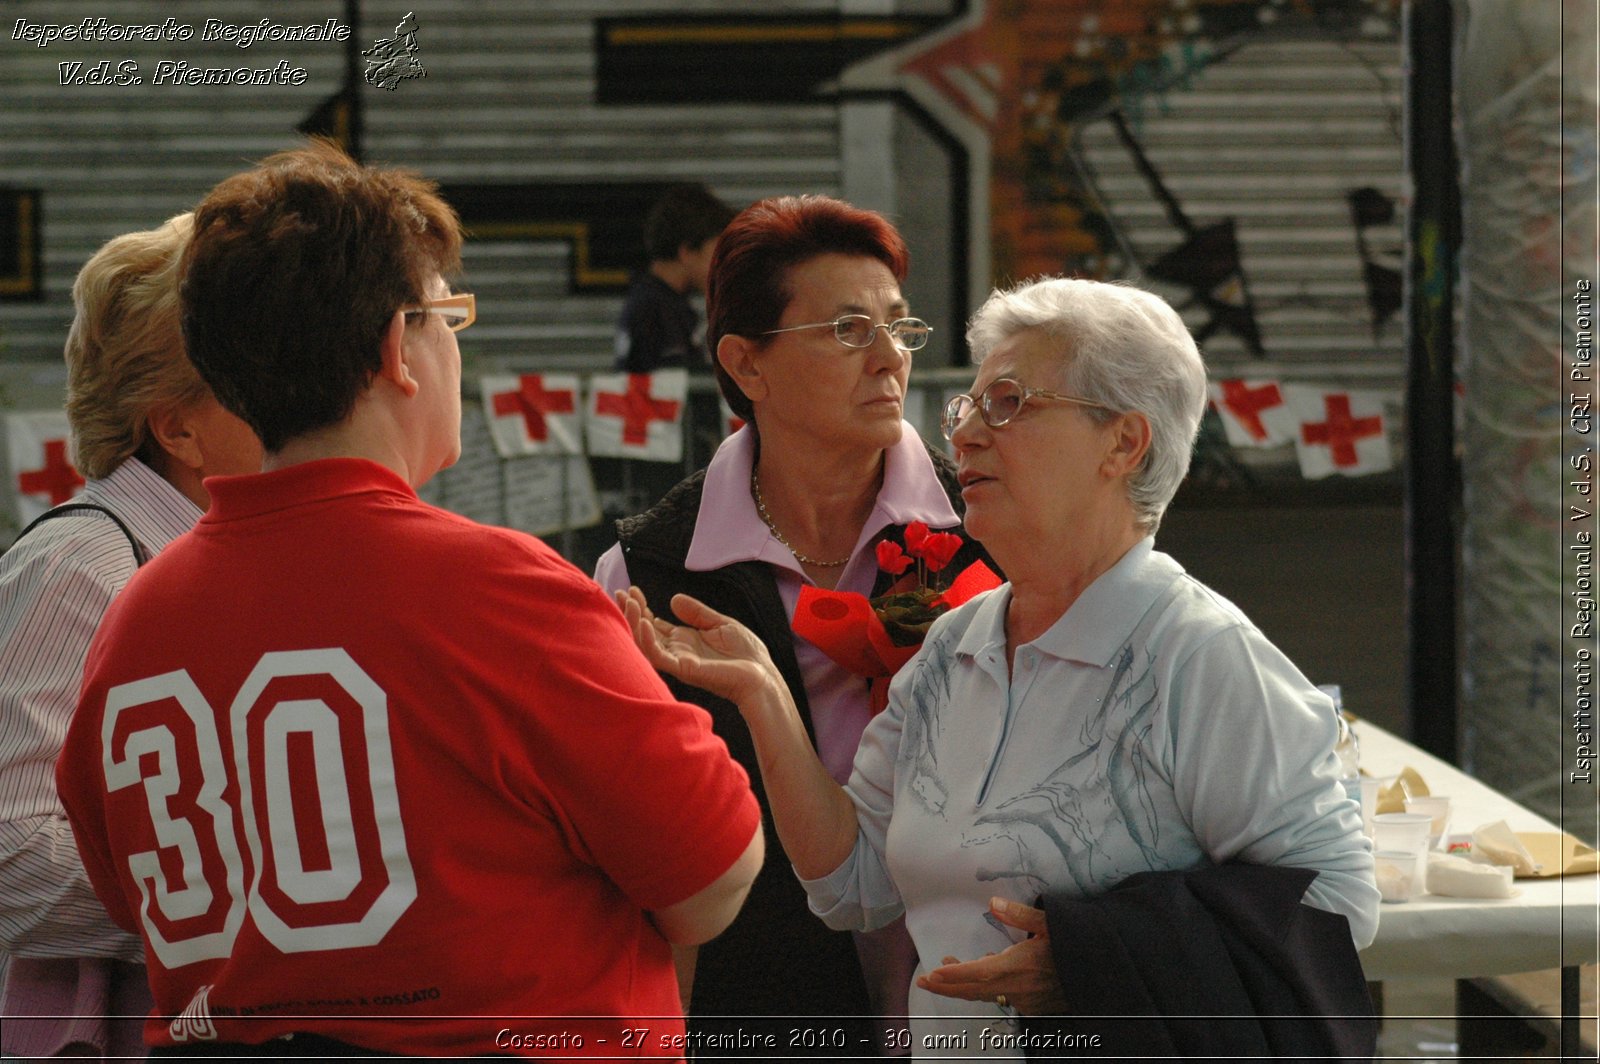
(1150, 728)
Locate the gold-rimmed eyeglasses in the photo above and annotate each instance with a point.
(858, 330)
(1000, 403)
(458, 311)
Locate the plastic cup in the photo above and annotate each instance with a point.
(1396, 873)
(1370, 786)
(1436, 806)
(1407, 832)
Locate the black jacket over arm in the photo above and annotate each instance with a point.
(1218, 960)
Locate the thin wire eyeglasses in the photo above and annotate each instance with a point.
(1000, 403)
(857, 330)
(458, 311)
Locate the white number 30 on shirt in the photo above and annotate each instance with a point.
(328, 864)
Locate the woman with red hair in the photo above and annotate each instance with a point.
(812, 344)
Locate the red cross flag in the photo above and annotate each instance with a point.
(42, 473)
(535, 413)
(637, 415)
(1254, 413)
(1339, 432)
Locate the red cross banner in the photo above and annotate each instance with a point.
(637, 415)
(1341, 432)
(1254, 413)
(40, 462)
(534, 413)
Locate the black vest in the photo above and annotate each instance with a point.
(777, 958)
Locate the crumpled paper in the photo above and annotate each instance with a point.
(1497, 844)
(1534, 854)
(1408, 784)
(1561, 854)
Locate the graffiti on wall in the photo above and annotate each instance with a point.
(1026, 77)
(1015, 83)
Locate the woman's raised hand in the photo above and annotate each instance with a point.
(708, 650)
(815, 817)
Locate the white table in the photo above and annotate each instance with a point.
(1552, 923)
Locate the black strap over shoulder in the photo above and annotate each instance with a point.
(68, 507)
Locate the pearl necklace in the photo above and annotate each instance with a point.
(766, 519)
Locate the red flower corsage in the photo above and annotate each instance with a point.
(873, 638)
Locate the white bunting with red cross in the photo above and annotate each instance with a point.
(534, 413)
(637, 415)
(42, 474)
(1254, 413)
(1339, 431)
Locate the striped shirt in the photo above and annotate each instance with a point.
(55, 584)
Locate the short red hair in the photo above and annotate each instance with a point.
(749, 286)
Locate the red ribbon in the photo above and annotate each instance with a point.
(843, 626)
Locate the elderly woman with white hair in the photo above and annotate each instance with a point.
(1102, 714)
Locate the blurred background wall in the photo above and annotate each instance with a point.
(1244, 158)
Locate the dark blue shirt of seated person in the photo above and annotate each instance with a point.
(657, 329)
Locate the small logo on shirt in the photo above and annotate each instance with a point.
(194, 1022)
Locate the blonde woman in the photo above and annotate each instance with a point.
(146, 433)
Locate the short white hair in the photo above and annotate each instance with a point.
(1120, 346)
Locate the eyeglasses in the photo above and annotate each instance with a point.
(458, 311)
(857, 330)
(1000, 403)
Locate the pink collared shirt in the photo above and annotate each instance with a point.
(728, 530)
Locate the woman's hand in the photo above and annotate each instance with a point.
(815, 818)
(1024, 975)
(708, 650)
